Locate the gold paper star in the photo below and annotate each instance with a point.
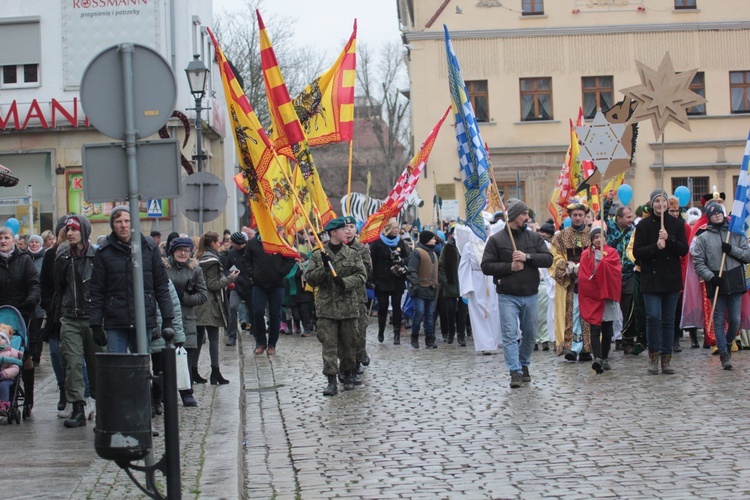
(601, 142)
(663, 96)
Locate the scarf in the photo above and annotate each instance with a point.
(389, 242)
(7, 256)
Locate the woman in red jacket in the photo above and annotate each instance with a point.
(599, 288)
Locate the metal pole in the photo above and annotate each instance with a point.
(171, 418)
(199, 163)
(31, 210)
(126, 57)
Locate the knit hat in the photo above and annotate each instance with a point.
(425, 237)
(594, 232)
(515, 208)
(547, 228)
(37, 238)
(115, 213)
(61, 224)
(238, 238)
(74, 223)
(180, 243)
(655, 194)
(713, 208)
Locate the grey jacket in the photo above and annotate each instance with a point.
(706, 252)
(158, 344)
(191, 288)
(213, 312)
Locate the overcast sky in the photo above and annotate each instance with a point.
(327, 24)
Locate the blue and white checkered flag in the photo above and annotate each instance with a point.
(472, 156)
(740, 221)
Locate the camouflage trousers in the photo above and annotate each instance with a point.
(362, 321)
(339, 339)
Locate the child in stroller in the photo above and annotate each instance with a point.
(10, 367)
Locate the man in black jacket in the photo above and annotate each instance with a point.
(267, 272)
(112, 293)
(74, 264)
(243, 287)
(514, 266)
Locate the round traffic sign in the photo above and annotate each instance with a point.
(214, 196)
(103, 90)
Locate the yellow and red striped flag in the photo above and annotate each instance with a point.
(286, 127)
(287, 136)
(255, 155)
(405, 185)
(326, 106)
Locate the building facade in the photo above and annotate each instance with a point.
(47, 46)
(530, 64)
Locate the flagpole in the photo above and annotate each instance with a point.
(716, 292)
(662, 183)
(301, 207)
(349, 181)
(507, 225)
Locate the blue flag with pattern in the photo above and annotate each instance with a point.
(740, 221)
(472, 156)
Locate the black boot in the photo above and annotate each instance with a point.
(187, 398)
(451, 337)
(381, 337)
(332, 388)
(396, 337)
(216, 378)
(694, 339)
(461, 340)
(357, 375)
(415, 341)
(28, 390)
(78, 418)
(62, 401)
(349, 381)
(197, 379)
(430, 343)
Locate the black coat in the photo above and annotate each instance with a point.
(111, 289)
(267, 270)
(243, 285)
(498, 259)
(19, 284)
(382, 276)
(661, 271)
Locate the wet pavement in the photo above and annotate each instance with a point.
(437, 423)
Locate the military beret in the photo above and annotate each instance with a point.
(349, 219)
(334, 224)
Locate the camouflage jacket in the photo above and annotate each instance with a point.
(363, 252)
(332, 301)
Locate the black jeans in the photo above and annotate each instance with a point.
(395, 298)
(601, 339)
(456, 310)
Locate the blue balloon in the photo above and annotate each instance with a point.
(683, 195)
(625, 193)
(13, 225)
(567, 222)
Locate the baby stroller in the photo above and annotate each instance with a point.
(9, 315)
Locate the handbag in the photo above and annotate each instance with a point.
(183, 372)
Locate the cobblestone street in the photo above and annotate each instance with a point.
(437, 423)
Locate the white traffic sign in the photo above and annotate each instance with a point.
(154, 208)
(14, 202)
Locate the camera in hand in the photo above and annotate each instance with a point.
(399, 266)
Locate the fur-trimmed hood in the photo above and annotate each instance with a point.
(190, 264)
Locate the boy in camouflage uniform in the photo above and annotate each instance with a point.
(337, 304)
(361, 357)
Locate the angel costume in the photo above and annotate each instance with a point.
(478, 289)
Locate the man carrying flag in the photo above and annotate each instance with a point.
(405, 185)
(472, 156)
(720, 255)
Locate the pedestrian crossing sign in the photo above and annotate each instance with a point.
(154, 208)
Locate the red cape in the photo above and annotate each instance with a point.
(606, 284)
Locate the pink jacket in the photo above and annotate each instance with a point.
(10, 370)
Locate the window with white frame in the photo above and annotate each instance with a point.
(20, 39)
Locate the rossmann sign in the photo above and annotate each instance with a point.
(94, 4)
(45, 115)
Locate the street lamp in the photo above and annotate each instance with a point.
(197, 74)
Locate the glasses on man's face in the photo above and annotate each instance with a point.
(182, 250)
(673, 212)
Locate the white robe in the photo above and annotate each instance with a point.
(479, 290)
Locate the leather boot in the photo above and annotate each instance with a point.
(397, 337)
(415, 341)
(332, 388)
(62, 401)
(78, 418)
(430, 343)
(357, 379)
(653, 362)
(666, 369)
(451, 337)
(349, 381)
(28, 389)
(694, 339)
(197, 379)
(216, 378)
(461, 340)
